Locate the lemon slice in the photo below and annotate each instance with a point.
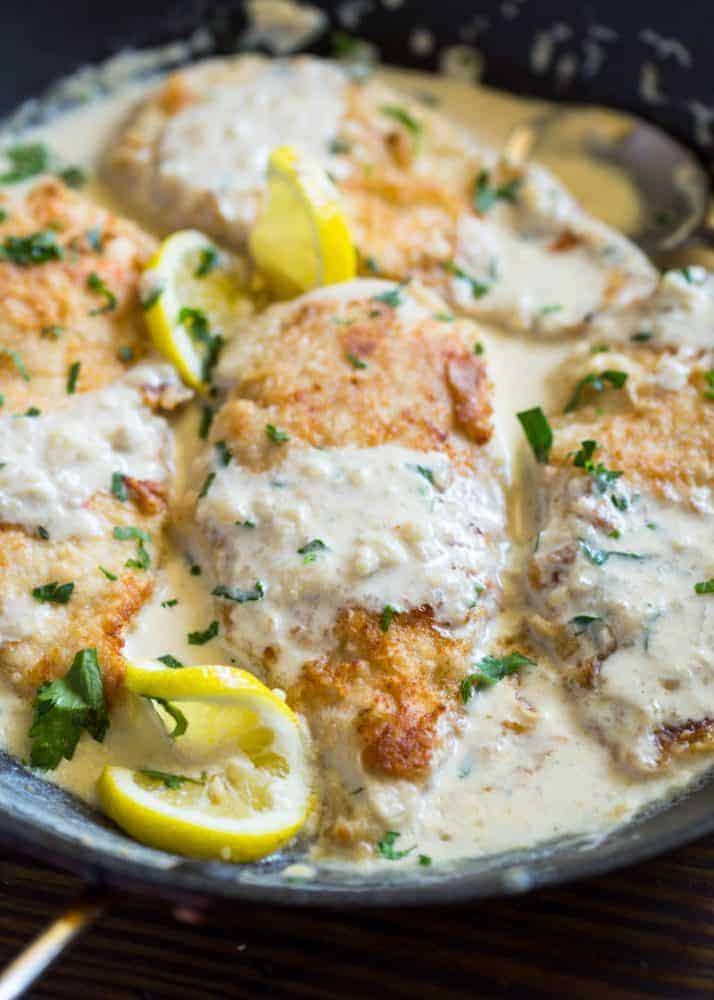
(301, 239)
(240, 789)
(189, 298)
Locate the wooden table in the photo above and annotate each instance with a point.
(645, 932)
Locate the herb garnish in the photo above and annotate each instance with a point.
(276, 435)
(424, 860)
(337, 146)
(404, 118)
(97, 284)
(109, 575)
(486, 196)
(705, 587)
(492, 669)
(240, 596)
(125, 532)
(180, 720)
(53, 593)
(125, 353)
(424, 471)
(32, 411)
(200, 638)
(171, 781)
(25, 161)
(207, 262)
(170, 661)
(196, 323)
(596, 381)
(598, 557)
(37, 248)
(153, 296)
(171, 603)
(385, 619)
(204, 426)
(604, 478)
(478, 288)
(538, 431)
(479, 348)
(118, 486)
(310, 549)
(641, 337)
(17, 361)
(709, 379)
(66, 706)
(224, 453)
(386, 846)
(356, 361)
(583, 622)
(207, 483)
(391, 298)
(73, 176)
(43, 533)
(72, 377)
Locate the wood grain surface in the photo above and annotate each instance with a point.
(644, 932)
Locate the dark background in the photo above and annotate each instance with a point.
(41, 40)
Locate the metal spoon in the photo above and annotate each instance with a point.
(673, 187)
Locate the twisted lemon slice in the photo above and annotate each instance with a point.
(301, 239)
(240, 789)
(189, 300)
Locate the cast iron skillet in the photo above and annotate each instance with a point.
(46, 823)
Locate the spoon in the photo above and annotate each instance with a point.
(671, 184)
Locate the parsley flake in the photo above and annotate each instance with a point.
(170, 661)
(72, 377)
(208, 260)
(276, 435)
(705, 587)
(386, 846)
(201, 638)
(53, 593)
(401, 115)
(595, 381)
(37, 248)
(486, 195)
(538, 432)
(171, 781)
(25, 161)
(492, 669)
(385, 619)
(240, 596)
(118, 486)
(478, 288)
(96, 284)
(109, 575)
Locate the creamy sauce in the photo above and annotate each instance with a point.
(51, 464)
(523, 769)
(331, 528)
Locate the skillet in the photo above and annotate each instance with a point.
(46, 823)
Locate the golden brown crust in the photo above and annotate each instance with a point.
(48, 311)
(393, 686)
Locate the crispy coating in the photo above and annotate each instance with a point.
(50, 317)
(421, 386)
(100, 609)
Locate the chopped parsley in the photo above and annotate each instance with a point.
(95, 239)
(385, 619)
(201, 638)
(310, 549)
(641, 337)
(596, 381)
(73, 176)
(338, 146)
(64, 708)
(486, 195)
(32, 411)
(444, 317)
(604, 478)
(207, 483)
(196, 323)
(170, 661)
(25, 161)
(392, 297)
(479, 348)
(538, 432)
(401, 115)
(72, 377)
(125, 532)
(598, 557)
(705, 587)
(424, 471)
(276, 435)
(125, 353)
(548, 310)
(208, 260)
(53, 593)
(52, 332)
(96, 284)
(118, 486)
(583, 622)
(204, 426)
(153, 296)
(171, 781)
(478, 288)
(238, 595)
(43, 533)
(424, 860)
(224, 453)
(17, 361)
(195, 570)
(492, 669)
(356, 361)
(171, 603)
(180, 720)
(37, 248)
(709, 379)
(109, 575)
(386, 846)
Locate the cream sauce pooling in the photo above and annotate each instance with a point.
(225, 150)
(500, 789)
(326, 529)
(54, 463)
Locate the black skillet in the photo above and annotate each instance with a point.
(607, 53)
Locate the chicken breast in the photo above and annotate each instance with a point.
(621, 578)
(83, 497)
(423, 198)
(68, 296)
(347, 517)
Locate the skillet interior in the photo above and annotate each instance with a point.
(47, 823)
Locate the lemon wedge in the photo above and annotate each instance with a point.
(301, 239)
(189, 298)
(240, 789)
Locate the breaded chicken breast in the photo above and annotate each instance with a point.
(83, 497)
(347, 517)
(70, 318)
(621, 576)
(423, 198)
